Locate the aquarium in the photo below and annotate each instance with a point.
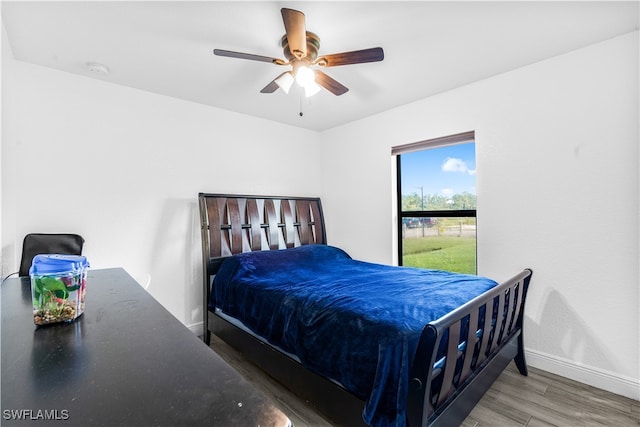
(58, 287)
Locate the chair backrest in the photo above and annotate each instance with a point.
(42, 243)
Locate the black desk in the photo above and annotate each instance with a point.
(125, 361)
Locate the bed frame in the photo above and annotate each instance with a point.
(443, 388)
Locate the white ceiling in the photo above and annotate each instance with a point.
(430, 47)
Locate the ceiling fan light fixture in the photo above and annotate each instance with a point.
(285, 81)
(311, 89)
(305, 76)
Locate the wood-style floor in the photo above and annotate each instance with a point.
(540, 399)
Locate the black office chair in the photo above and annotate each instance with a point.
(42, 243)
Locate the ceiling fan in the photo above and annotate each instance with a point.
(301, 50)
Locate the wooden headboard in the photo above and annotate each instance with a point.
(232, 224)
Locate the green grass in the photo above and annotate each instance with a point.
(449, 253)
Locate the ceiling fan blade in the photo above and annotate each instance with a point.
(330, 84)
(252, 57)
(374, 54)
(294, 26)
(272, 86)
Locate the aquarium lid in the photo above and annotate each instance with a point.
(57, 263)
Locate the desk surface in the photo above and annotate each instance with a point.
(125, 361)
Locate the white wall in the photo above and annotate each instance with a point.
(4, 55)
(557, 160)
(123, 168)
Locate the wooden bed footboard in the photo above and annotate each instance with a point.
(462, 353)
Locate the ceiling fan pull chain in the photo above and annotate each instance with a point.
(301, 113)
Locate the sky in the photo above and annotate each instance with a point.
(442, 171)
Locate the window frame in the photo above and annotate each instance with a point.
(461, 138)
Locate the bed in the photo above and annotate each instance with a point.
(368, 344)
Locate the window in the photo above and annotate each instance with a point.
(437, 203)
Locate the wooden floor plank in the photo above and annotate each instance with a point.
(492, 412)
(298, 411)
(534, 422)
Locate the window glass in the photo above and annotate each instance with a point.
(437, 207)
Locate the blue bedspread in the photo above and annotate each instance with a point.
(355, 322)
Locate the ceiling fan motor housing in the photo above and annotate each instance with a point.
(313, 45)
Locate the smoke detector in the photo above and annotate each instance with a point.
(96, 68)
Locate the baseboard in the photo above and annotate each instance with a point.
(599, 378)
(196, 328)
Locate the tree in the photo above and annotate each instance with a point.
(411, 202)
(436, 202)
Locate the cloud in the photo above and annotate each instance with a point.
(451, 164)
(448, 192)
